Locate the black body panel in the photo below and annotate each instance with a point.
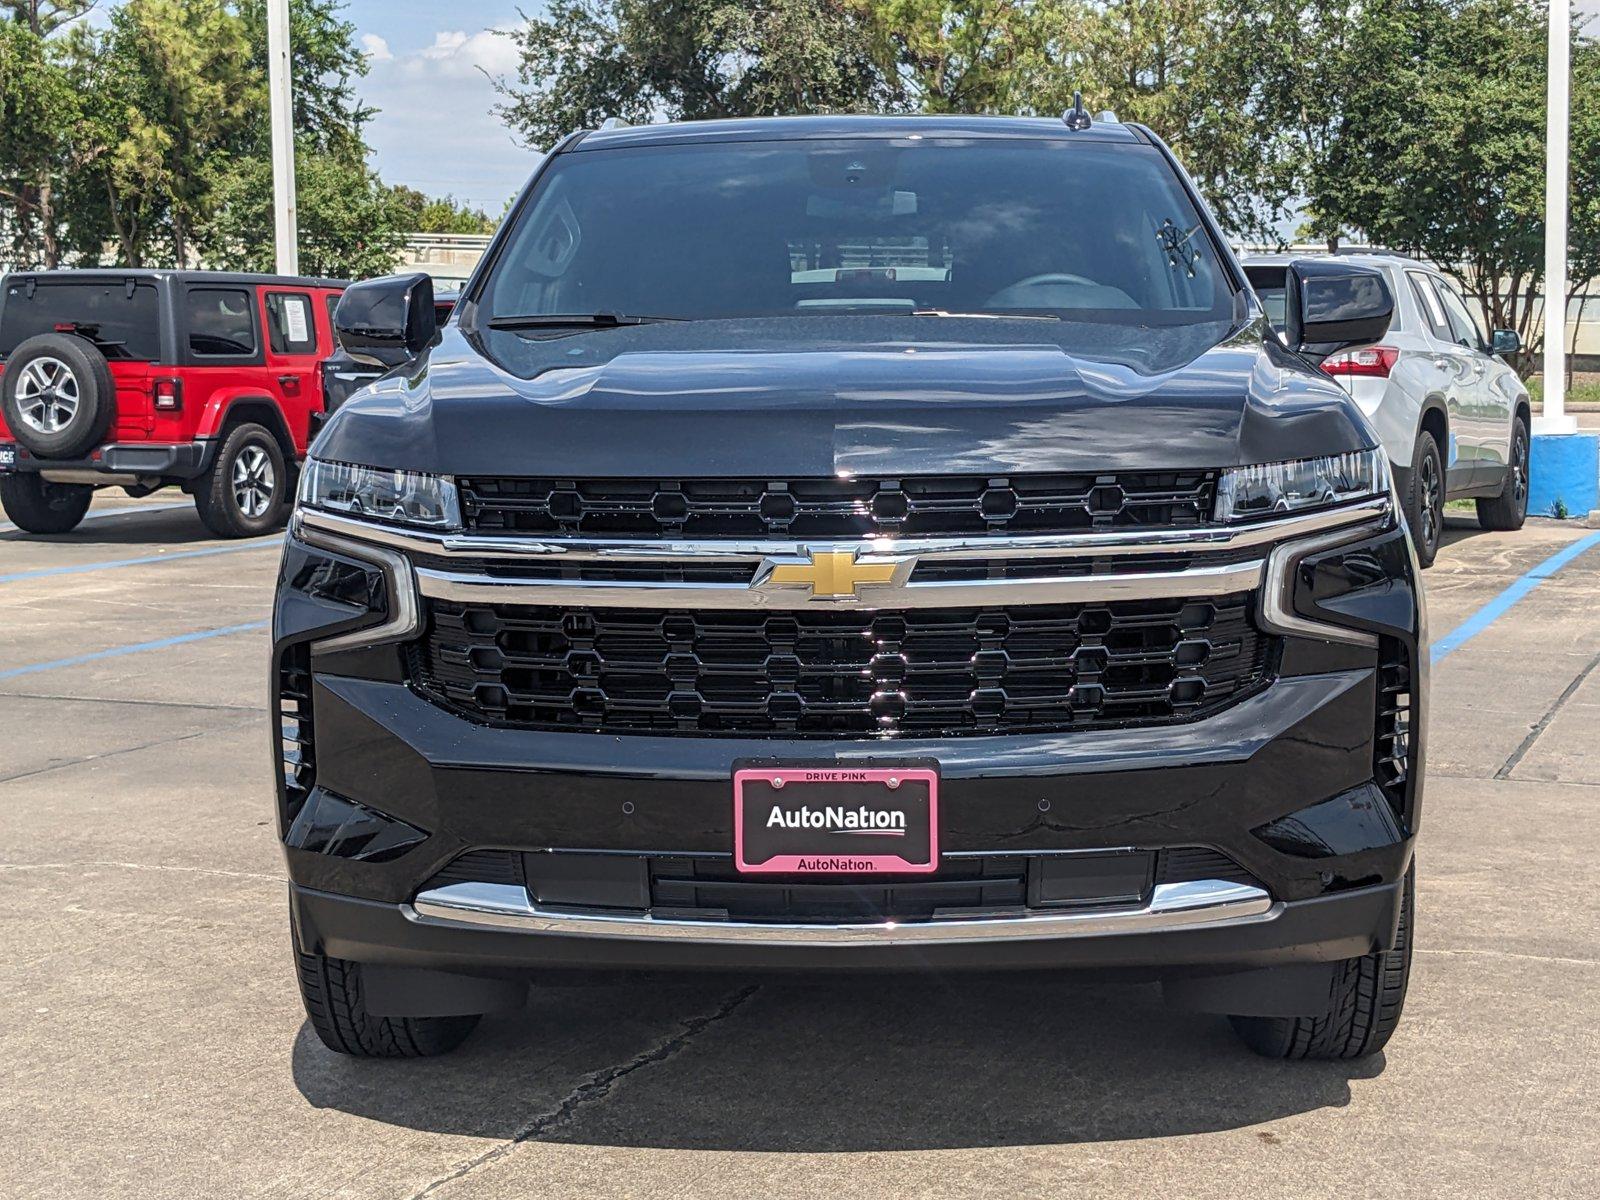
(467, 748)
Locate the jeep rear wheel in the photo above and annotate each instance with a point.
(1365, 1001)
(41, 507)
(57, 395)
(247, 491)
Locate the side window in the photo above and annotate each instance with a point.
(290, 327)
(220, 322)
(332, 301)
(1432, 310)
(1462, 325)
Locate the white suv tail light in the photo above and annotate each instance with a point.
(1376, 361)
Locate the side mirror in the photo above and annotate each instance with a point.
(1332, 305)
(1505, 342)
(386, 322)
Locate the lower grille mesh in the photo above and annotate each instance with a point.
(922, 672)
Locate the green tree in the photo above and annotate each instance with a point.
(170, 87)
(439, 214)
(38, 108)
(44, 17)
(971, 57)
(585, 60)
(351, 226)
(325, 63)
(1440, 150)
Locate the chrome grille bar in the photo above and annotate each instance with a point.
(1197, 540)
(470, 588)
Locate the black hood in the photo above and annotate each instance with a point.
(816, 396)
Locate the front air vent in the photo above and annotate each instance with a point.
(296, 736)
(1392, 743)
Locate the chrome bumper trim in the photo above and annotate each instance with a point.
(404, 621)
(1277, 597)
(1171, 906)
(467, 588)
(1199, 539)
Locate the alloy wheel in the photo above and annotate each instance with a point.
(1432, 505)
(47, 395)
(1519, 471)
(253, 481)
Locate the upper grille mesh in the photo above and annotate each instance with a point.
(833, 507)
(926, 672)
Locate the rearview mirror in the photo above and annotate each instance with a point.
(1505, 342)
(1332, 305)
(386, 322)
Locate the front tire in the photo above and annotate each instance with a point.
(1424, 498)
(1364, 1004)
(332, 991)
(246, 493)
(38, 506)
(1509, 509)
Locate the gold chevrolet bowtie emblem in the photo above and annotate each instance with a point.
(831, 574)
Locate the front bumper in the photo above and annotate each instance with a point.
(1286, 783)
(1284, 933)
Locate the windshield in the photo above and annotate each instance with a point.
(122, 319)
(1049, 228)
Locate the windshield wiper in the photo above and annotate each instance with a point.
(598, 320)
(992, 316)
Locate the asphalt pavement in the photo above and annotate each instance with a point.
(154, 1045)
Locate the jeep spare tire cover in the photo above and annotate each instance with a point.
(57, 395)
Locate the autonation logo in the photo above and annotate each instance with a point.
(835, 818)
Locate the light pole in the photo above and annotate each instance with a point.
(285, 223)
(1555, 419)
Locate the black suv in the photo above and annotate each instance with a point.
(879, 544)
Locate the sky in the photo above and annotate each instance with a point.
(430, 66)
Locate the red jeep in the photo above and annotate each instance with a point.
(144, 379)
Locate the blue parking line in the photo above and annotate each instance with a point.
(84, 568)
(1497, 608)
(182, 639)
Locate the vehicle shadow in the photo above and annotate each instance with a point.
(909, 1064)
(173, 523)
(1458, 527)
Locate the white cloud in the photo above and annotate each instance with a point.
(377, 49)
(456, 53)
(436, 129)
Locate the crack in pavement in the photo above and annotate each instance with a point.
(90, 758)
(252, 708)
(594, 1089)
(130, 866)
(1537, 731)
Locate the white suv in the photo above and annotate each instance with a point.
(1451, 414)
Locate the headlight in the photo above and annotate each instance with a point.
(404, 497)
(1261, 491)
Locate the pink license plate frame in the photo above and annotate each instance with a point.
(815, 783)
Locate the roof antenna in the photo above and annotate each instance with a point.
(1077, 117)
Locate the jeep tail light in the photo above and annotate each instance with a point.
(1375, 361)
(168, 395)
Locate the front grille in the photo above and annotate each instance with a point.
(837, 508)
(710, 889)
(922, 672)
